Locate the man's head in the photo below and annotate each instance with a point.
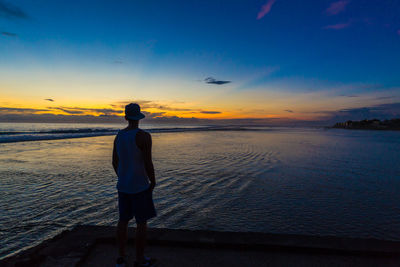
(132, 112)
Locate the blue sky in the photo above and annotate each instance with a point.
(305, 52)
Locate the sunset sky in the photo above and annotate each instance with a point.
(287, 60)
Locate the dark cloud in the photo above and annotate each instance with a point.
(29, 115)
(350, 95)
(385, 97)
(78, 110)
(168, 108)
(47, 117)
(211, 80)
(144, 104)
(150, 115)
(9, 34)
(156, 117)
(6, 110)
(210, 112)
(49, 99)
(381, 112)
(289, 110)
(141, 103)
(69, 111)
(8, 10)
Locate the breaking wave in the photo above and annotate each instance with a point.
(23, 136)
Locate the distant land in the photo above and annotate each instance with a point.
(374, 124)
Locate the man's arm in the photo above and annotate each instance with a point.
(115, 157)
(147, 157)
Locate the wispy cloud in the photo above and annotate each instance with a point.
(337, 7)
(385, 97)
(69, 111)
(265, 9)
(49, 99)
(8, 10)
(7, 110)
(211, 80)
(152, 115)
(168, 108)
(210, 112)
(349, 95)
(78, 110)
(289, 110)
(146, 104)
(338, 26)
(9, 34)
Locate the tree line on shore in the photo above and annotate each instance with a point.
(374, 124)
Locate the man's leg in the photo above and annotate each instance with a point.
(141, 229)
(122, 230)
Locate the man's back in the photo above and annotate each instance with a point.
(132, 176)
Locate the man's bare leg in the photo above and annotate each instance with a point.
(141, 229)
(122, 230)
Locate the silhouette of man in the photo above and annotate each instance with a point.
(132, 162)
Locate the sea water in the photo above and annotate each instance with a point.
(311, 181)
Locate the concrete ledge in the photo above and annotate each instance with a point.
(70, 248)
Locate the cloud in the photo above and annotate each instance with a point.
(350, 95)
(265, 9)
(385, 97)
(10, 11)
(210, 112)
(337, 7)
(152, 118)
(168, 108)
(95, 115)
(152, 115)
(382, 112)
(289, 110)
(338, 26)
(49, 99)
(49, 118)
(69, 111)
(141, 103)
(9, 34)
(7, 110)
(78, 110)
(211, 80)
(146, 104)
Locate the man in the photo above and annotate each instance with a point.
(132, 162)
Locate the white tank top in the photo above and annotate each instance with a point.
(132, 176)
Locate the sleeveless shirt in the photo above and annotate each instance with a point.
(132, 175)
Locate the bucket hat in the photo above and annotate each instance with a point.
(132, 112)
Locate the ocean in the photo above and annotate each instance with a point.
(312, 181)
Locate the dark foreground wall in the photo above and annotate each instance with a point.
(71, 248)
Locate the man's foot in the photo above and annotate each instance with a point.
(147, 262)
(121, 262)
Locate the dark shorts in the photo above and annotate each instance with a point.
(139, 205)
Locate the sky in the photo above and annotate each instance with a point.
(269, 61)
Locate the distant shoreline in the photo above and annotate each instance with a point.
(374, 124)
